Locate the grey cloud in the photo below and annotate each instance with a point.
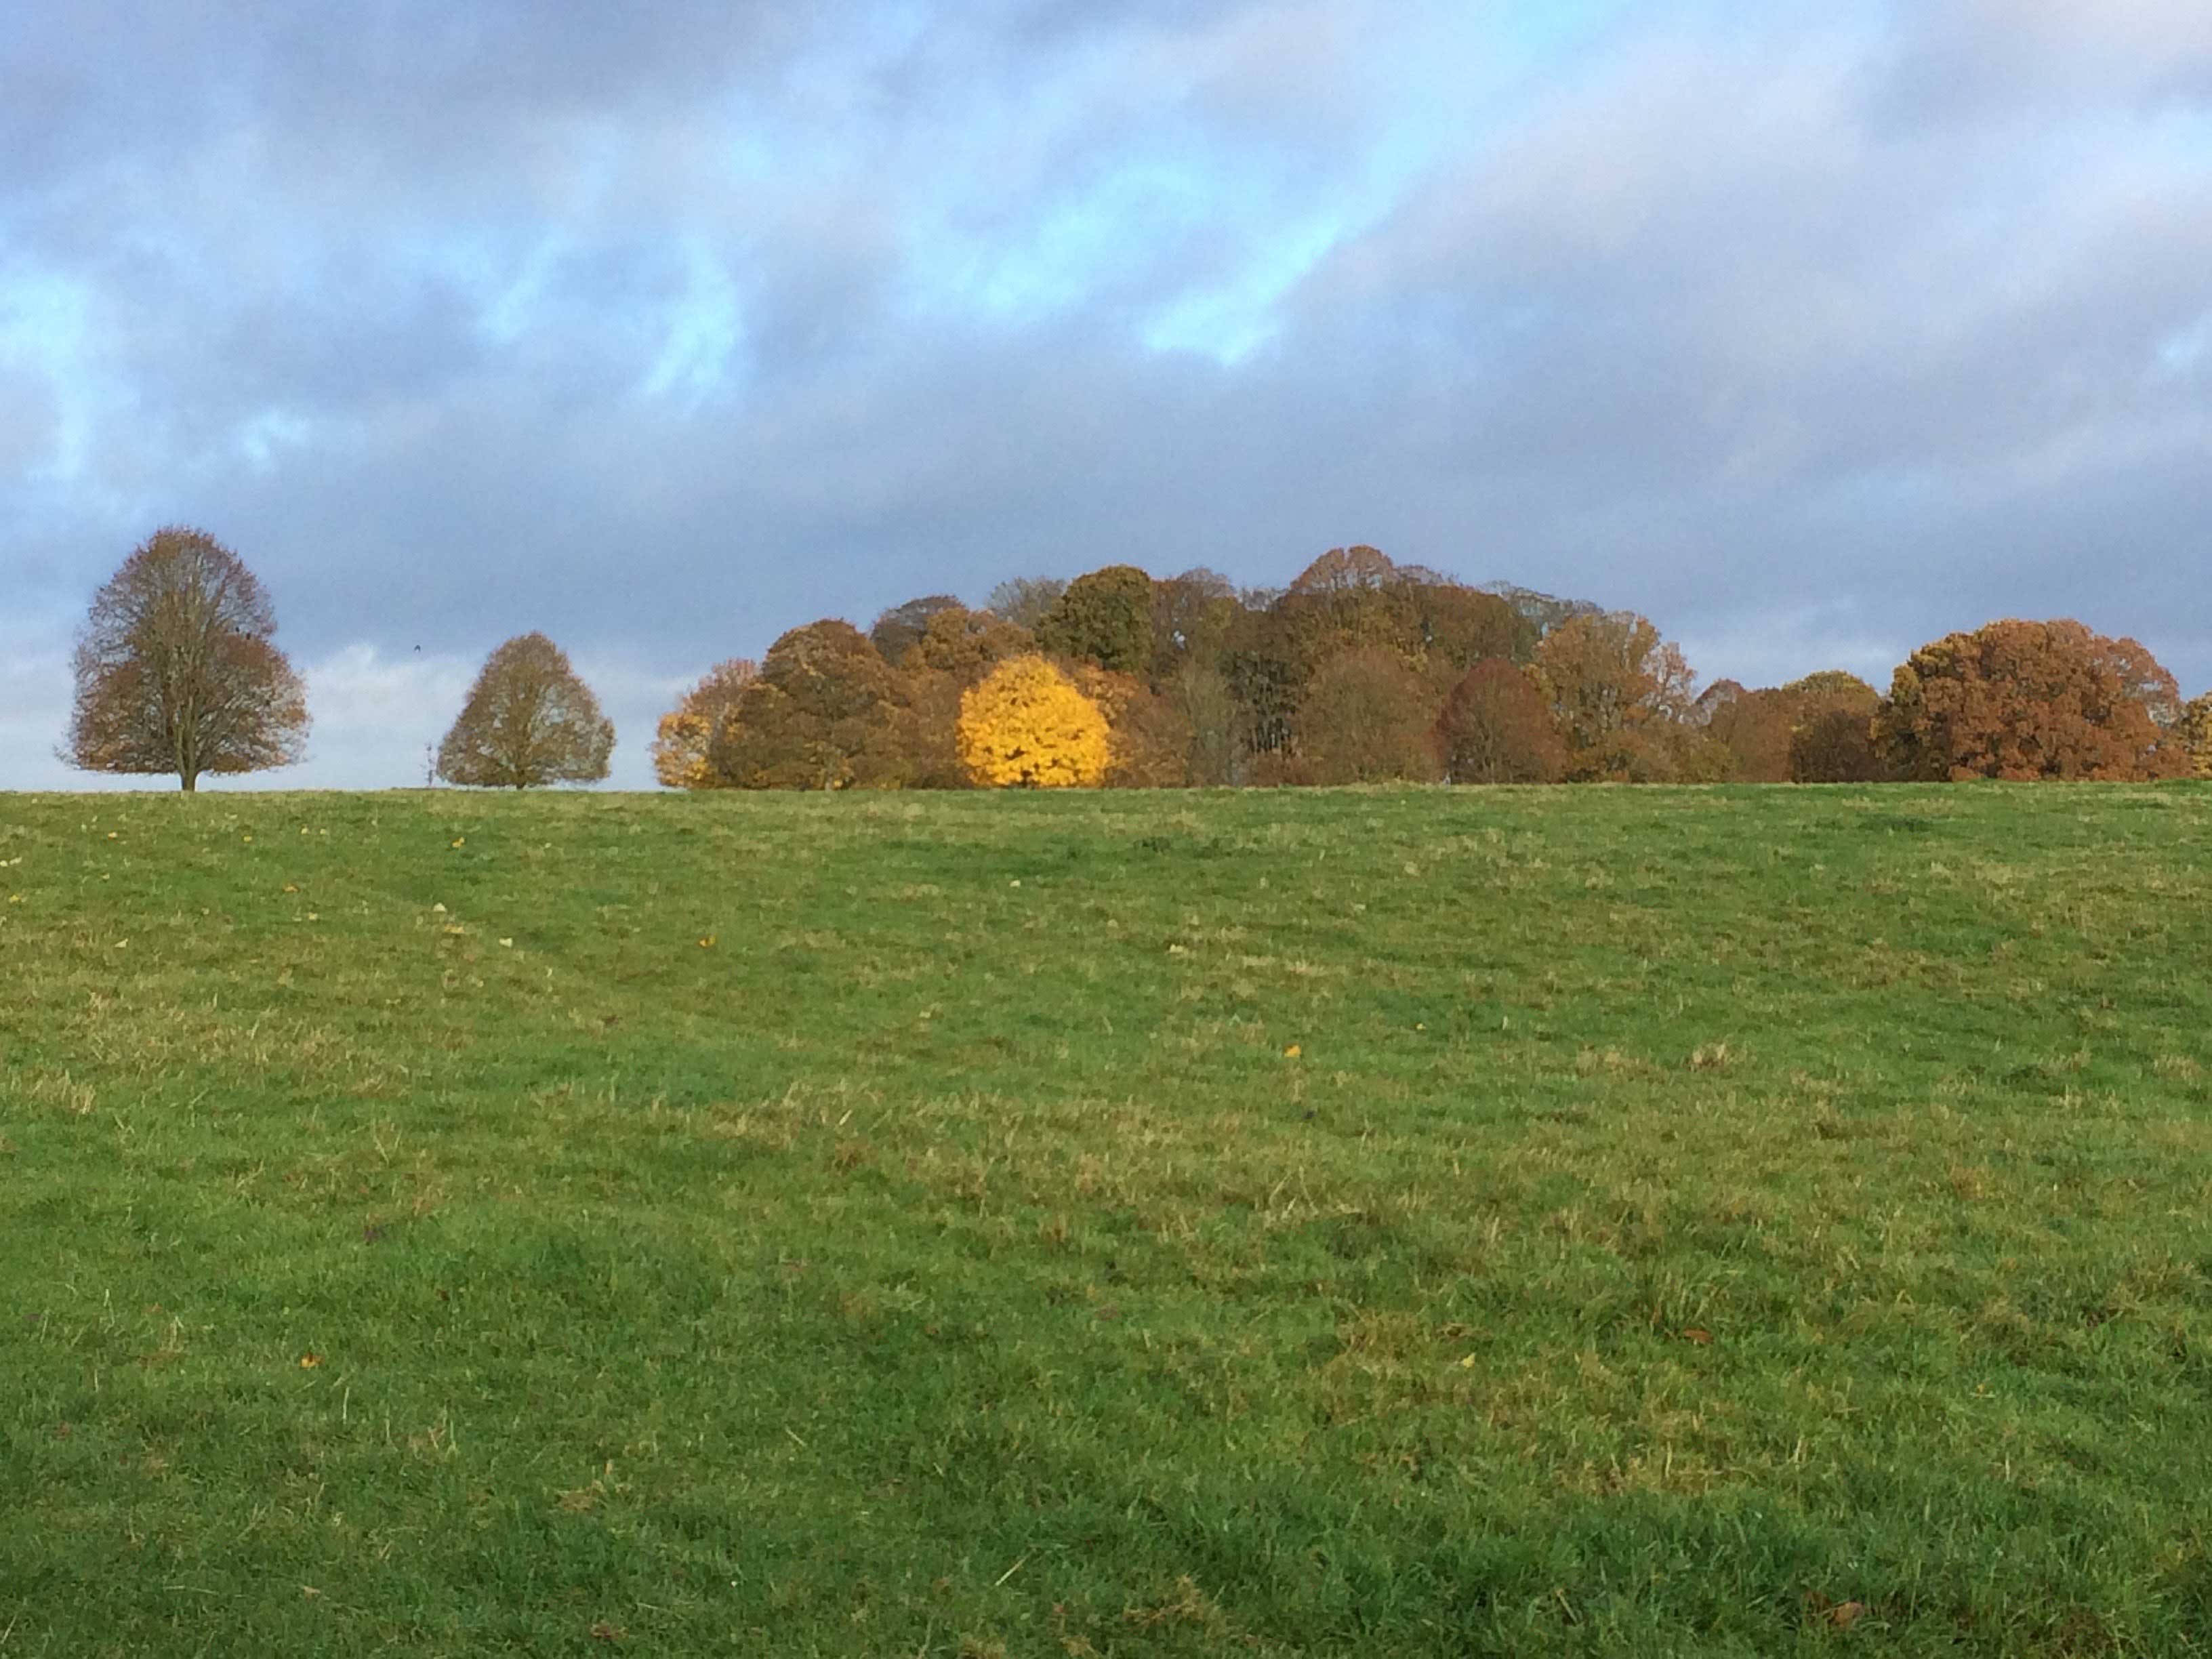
(1797, 336)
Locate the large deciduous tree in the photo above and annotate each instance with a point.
(2029, 700)
(528, 722)
(1495, 729)
(176, 671)
(823, 715)
(1026, 726)
(686, 733)
(1104, 617)
(1620, 698)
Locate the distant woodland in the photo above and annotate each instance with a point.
(1361, 671)
(1366, 671)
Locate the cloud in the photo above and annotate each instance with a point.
(1812, 332)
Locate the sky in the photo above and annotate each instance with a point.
(1811, 331)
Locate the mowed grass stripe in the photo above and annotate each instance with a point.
(1598, 1221)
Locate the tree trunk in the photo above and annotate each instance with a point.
(188, 782)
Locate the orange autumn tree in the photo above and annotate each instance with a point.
(1026, 726)
(686, 733)
(2029, 700)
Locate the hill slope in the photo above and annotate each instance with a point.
(1584, 1221)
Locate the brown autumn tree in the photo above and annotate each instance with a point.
(528, 722)
(1620, 698)
(1148, 738)
(1495, 729)
(176, 671)
(824, 714)
(2029, 700)
(686, 733)
(1366, 719)
(1456, 627)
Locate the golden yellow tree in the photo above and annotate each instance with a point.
(1027, 726)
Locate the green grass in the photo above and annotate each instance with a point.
(1581, 1222)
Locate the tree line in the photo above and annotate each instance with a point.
(1362, 670)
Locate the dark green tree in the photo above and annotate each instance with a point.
(1104, 617)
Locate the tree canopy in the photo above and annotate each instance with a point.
(1027, 726)
(2030, 700)
(528, 722)
(177, 670)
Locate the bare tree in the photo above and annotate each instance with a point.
(528, 722)
(1026, 599)
(175, 670)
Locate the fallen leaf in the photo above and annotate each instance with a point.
(1292, 1052)
(1846, 1614)
(603, 1631)
(1703, 1338)
(508, 943)
(291, 886)
(437, 909)
(708, 943)
(309, 1361)
(460, 841)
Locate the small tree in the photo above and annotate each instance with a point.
(1027, 726)
(176, 672)
(900, 628)
(528, 722)
(686, 733)
(1495, 729)
(1024, 600)
(2193, 733)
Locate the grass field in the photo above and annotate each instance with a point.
(1584, 1222)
